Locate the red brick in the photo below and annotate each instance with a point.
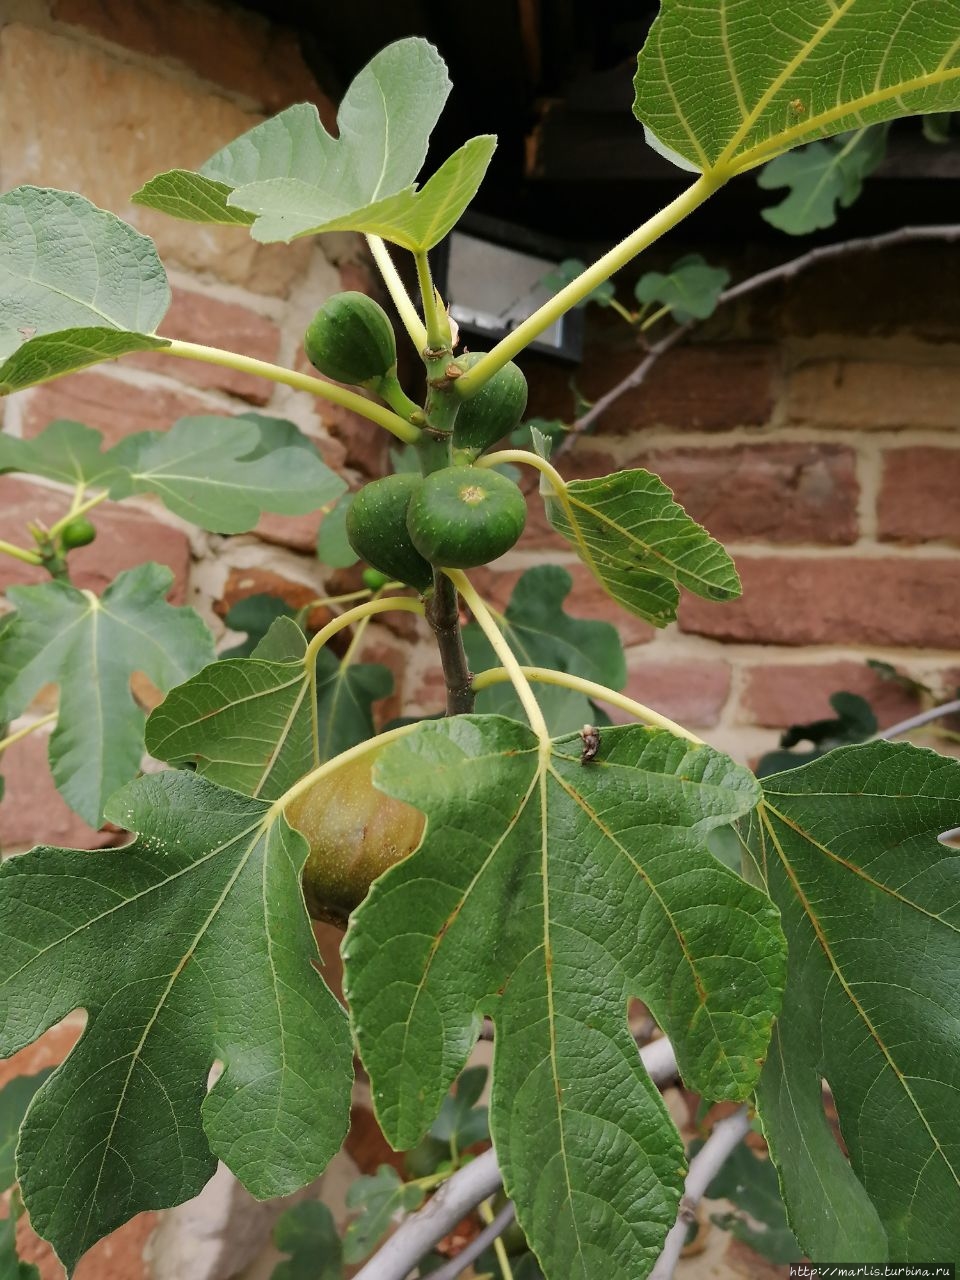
(918, 495)
(237, 50)
(49, 1051)
(771, 493)
(118, 1257)
(587, 599)
(116, 408)
(703, 388)
(299, 533)
(242, 583)
(691, 692)
(32, 810)
(125, 537)
(779, 694)
(865, 394)
(377, 648)
(843, 600)
(195, 317)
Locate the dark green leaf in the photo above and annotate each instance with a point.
(822, 178)
(288, 177)
(190, 946)
(848, 848)
(66, 451)
(750, 1182)
(216, 473)
(308, 1233)
(459, 1118)
(640, 544)
(541, 634)
(555, 892)
(721, 90)
(15, 1097)
(91, 647)
(855, 722)
(938, 129)
(378, 1198)
(691, 288)
(77, 286)
(346, 692)
(255, 615)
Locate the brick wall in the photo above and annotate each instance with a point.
(812, 428)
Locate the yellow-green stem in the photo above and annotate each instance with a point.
(19, 553)
(436, 339)
(11, 738)
(652, 320)
(544, 675)
(586, 282)
(395, 287)
(377, 413)
(402, 604)
(80, 510)
(514, 672)
(503, 1260)
(331, 766)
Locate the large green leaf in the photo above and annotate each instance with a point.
(66, 451)
(557, 890)
(77, 286)
(247, 723)
(849, 850)
(821, 177)
(541, 634)
(91, 647)
(288, 177)
(639, 543)
(214, 472)
(190, 946)
(724, 85)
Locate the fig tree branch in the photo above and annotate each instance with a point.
(785, 271)
(727, 1134)
(456, 1266)
(919, 720)
(331, 391)
(443, 614)
(461, 1194)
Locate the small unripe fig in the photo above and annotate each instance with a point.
(355, 833)
(461, 517)
(495, 410)
(374, 580)
(377, 529)
(350, 339)
(78, 533)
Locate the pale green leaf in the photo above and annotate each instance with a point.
(759, 1218)
(190, 946)
(848, 847)
(333, 549)
(66, 451)
(821, 178)
(567, 271)
(215, 472)
(554, 891)
(307, 1233)
(541, 634)
(288, 177)
(77, 286)
(91, 647)
(640, 544)
(691, 288)
(725, 85)
(415, 220)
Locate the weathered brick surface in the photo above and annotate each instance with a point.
(227, 46)
(116, 408)
(692, 692)
(111, 126)
(32, 810)
(919, 491)
(869, 395)
(125, 537)
(767, 493)
(702, 388)
(196, 317)
(844, 600)
(242, 583)
(782, 694)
